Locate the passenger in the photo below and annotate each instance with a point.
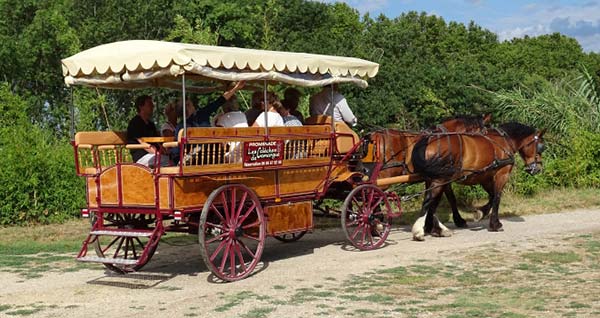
(142, 126)
(232, 116)
(168, 128)
(291, 98)
(320, 104)
(288, 118)
(274, 119)
(200, 117)
(257, 107)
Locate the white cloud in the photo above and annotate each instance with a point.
(579, 21)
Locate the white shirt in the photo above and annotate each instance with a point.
(320, 104)
(232, 119)
(273, 118)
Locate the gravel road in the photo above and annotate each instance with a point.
(176, 281)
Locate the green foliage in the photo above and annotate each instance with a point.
(37, 178)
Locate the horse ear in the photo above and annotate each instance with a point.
(542, 132)
(487, 118)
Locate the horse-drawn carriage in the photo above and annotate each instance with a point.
(233, 187)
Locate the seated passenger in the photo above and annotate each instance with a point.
(257, 107)
(321, 103)
(142, 126)
(272, 115)
(231, 116)
(168, 128)
(291, 98)
(200, 117)
(288, 118)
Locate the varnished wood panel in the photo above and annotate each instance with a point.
(138, 185)
(101, 138)
(292, 217)
(108, 186)
(193, 191)
(163, 184)
(91, 192)
(302, 180)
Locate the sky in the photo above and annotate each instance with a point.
(508, 18)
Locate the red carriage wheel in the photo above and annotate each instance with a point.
(366, 217)
(290, 237)
(232, 232)
(123, 239)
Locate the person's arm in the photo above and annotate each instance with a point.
(346, 112)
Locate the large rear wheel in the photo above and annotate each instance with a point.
(366, 217)
(232, 232)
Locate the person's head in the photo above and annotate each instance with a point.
(291, 98)
(257, 99)
(144, 106)
(231, 105)
(189, 108)
(274, 102)
(171, 112)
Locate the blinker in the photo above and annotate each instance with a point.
(540, 147)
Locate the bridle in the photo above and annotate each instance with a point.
(539, 148)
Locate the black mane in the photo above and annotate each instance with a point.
(470, 121)
(517, 130)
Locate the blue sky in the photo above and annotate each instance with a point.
(508, 18)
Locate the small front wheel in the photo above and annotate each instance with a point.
(366, 217)
(232, 232)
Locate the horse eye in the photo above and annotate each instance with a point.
(541, 147)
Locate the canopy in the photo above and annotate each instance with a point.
(143, 63)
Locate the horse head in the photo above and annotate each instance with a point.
(529, 143)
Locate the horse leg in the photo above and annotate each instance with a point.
(428, 223)
(500, 180)
(483, 211)
(456, 217)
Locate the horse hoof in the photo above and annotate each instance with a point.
(462, 224)
(419, 237)
(497, 229)
(478, 216)
(446, 233)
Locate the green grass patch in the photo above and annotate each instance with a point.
(235, 300)
(24, 312)
(5, 307)
(258, 312)
(552, 257)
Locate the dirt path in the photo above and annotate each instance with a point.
(176, 284)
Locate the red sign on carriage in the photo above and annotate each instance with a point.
(263, 153)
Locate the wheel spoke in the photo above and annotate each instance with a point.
(232, 260)
(247, 226)
(238, 252)
(353, 236)
(239, 209)
(225, 256)
(219, 237)
(109, 245)
(251, 237)
(217, 250)
(217, 226)
(119, 246)
(225, 208)
(214, 209)
(247, 249)
(247, 213)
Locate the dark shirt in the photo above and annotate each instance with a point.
(252, 114)
(200, 118)
(138, 128)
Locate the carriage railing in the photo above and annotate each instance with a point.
(222, 149)
(98, 150)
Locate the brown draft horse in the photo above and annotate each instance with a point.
(396, 147)
(486, 159)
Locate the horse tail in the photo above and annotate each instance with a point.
(438, 166)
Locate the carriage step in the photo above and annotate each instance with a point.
(104, 260)
(122, 233)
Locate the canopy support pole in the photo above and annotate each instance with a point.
(72, 133)
(266, 109)
(184, 104)
(330, 110)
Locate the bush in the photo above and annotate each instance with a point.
(37, 171)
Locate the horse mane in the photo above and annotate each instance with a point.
(471, 122)
(517, 130)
